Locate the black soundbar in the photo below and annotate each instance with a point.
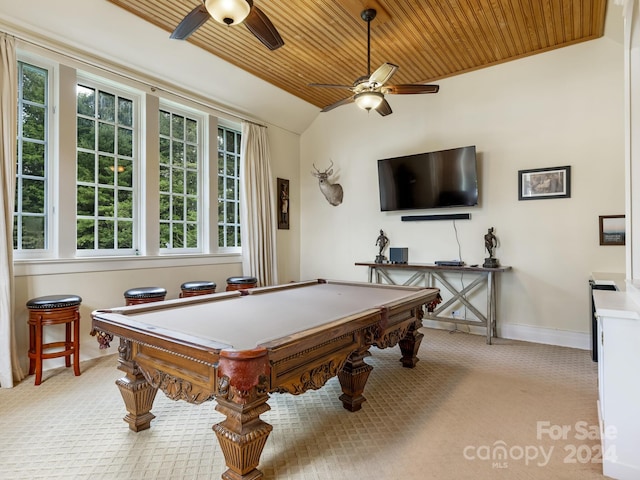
(446, 216)
(449, 263)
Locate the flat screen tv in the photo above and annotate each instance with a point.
(446, 178)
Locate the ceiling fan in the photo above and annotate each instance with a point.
(230, 13)
(369, 90)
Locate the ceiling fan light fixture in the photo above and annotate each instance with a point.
(368, 100)
(228, 12)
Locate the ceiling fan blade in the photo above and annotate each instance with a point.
(339, 103)
(409, 89)
(262, 28)
(383, 74)
(384, 108)
(189, 24)
(330, 85)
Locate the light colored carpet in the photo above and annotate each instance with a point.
(444, 419)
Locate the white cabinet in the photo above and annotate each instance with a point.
(619, 383)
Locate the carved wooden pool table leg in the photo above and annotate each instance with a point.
(137, 393)
(410, 344)
(242, 437)
(353, 377)
(242, 394)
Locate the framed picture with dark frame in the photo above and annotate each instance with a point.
(283, 204)
(540, 183)
(612, 230)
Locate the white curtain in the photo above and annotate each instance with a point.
(257, 206)
(9, 363)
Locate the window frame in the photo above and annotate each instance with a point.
(120, 90)
(62, 255)
(202, 172)
(228, 126)
(51, 165)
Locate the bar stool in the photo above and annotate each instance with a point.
(54, 310)
(238, 283)
(197, 287)
(135, 296)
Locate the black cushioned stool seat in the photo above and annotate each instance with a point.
(137, 295)
(238, 283)
(197, 287)
(54, 310)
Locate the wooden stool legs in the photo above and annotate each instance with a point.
(70, 347)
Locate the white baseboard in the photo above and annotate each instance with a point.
(525, 333)
(548, 336)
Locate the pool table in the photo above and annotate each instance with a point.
(238, 347)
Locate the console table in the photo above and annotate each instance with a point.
(429, 274)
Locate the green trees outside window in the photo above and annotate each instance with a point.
(30, 211)
(106, 170)
(109, 210)
(179, 185)
(229, 142)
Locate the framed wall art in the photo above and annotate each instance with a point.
(283, 204)
(539, 183)
(612, 230)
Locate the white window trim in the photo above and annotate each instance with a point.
(51, 171)
(138, 221)
(203, 173)
(238, 128)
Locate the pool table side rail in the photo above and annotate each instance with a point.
(172, 303)
(306, 283)
(123, 326)
(386, 312)
(121, 321)
(368, 285)
(283, 286)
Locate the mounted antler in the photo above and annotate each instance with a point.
(332, 191)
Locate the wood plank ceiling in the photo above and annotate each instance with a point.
(326, 40)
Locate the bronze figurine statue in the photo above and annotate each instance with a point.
(490, 243)
(382, 242)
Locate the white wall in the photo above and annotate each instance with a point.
(285, 158)
(563, 107)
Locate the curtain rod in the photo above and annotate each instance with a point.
(78, 56)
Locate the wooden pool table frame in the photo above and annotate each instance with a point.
(240, 381)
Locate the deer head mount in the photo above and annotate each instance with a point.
(331, 191)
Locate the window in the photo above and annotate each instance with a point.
(179, 179)
(228, 187)
(90, 191)
(30, 223)
(106, 166)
